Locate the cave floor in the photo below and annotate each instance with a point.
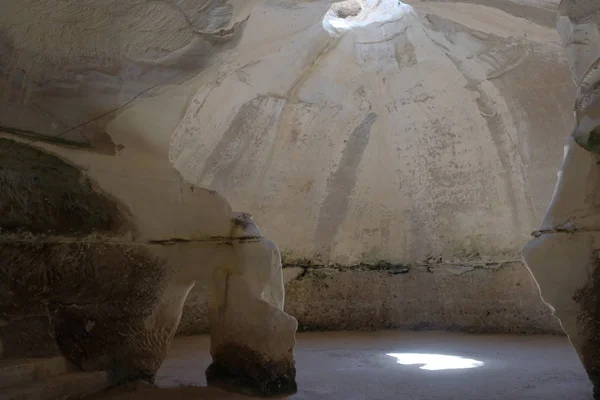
(395, 365)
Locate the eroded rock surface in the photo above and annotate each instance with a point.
(427, 134)
(70, 274)
(115, 305)
(395, 141)
(255, 355)
(108, 297)
(390, 296)
(67, 70)
(435, 133)
(563, 257)
(101, 239)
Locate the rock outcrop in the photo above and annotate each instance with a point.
(80, 278)
(101, 239)
(252, 338)
(564, 256)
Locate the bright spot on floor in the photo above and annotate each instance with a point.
(435, 362)
(349, 14)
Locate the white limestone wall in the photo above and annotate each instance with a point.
(434, 135)
(438, 133)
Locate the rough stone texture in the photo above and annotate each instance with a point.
(31, 336)
(494, 298)
(563, 256)
(77, 290)
(111, 292)
(351, 299)
(194, 316)
(108, 293)
(109, 285)
(66, 71)
(588, 321)
(43, 194)
(242, 369)
(433, 134)
(394, 142)
(579, 27)
(256, 357)
(99, 235)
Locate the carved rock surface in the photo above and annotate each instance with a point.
(564, 255)
(252, 338)
(411, 138)
(436, 133)
(68, 278)
(107, 296)
(429, 134)
(579, 27)
(394, 142)
(67, 70)
(101, 239)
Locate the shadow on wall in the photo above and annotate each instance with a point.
(63, 281)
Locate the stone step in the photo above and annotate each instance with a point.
(74, 385)
(21, 371)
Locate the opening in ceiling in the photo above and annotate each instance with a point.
(349, 14)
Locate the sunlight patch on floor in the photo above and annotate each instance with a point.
(435, 362)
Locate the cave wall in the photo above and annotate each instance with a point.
(481, 298)
(79, 268)
(384, 160)
(433, 140)
(100, 236)
(433, 135)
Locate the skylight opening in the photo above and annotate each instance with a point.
(350, 14)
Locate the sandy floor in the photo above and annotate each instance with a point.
(357, 366)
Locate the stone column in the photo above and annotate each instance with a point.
(252, 338)
(564, 256)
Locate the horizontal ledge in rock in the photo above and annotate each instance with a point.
(160, 242)
(562, 230)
